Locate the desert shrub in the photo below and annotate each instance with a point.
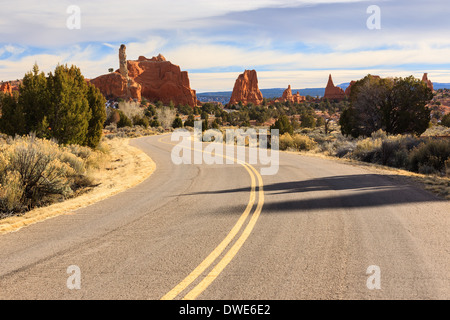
(79, 151)
(380, 134)
(344, 148)
(76, 163)
(286, 141)
(393, 153)
(124, 121)
(445, 121)
(36, 171)
(35, 168)
(302, 142)
(131, 109)
(141, 121)
(367, 149)
(11, 193)
(165, 117)
(430, 157)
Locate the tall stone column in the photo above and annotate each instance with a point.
(123, 69)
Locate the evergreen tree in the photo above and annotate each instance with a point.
(98, 111)
(190, 121)
(69, 112)
(12, 121)
(61, 106)
(34, 102)
(177, 123)
(283, 125)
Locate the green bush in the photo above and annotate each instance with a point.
(445, 121)
(124, 121)
(286, 141)
(141, 121)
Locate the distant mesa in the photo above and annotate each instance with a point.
(246, 89)
(332, 92)
(155, 79)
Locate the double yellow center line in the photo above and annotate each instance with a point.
(231, 253)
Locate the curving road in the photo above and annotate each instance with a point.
(224, 232)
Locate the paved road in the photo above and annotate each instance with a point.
(221, 232)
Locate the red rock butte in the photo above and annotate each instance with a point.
(332, 92)
(155, 79)
(288, 96)
(246, 89)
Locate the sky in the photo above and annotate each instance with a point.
(288, 42)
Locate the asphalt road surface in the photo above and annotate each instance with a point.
(311, 231)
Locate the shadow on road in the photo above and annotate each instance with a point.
(349, 191)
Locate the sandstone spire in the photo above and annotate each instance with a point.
(332, 92)
(246, 89)
(427, 82)
(123, 70)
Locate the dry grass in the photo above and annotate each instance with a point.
(128, 166)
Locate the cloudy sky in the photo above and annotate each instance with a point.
(296, 42)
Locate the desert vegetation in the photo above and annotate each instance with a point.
(54, 145)
(36, 172)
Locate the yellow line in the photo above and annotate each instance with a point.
(221, 247)
(218, 250)
(195, 292)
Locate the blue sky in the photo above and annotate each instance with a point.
(296, 42)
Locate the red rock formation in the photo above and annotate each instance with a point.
(6, 88)
(113, 85)
(428, 82)
(298, 98)
(161, 80)
(155, 79)
(288, 96)
(332, 92)
(246, 89)
(348, 91)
